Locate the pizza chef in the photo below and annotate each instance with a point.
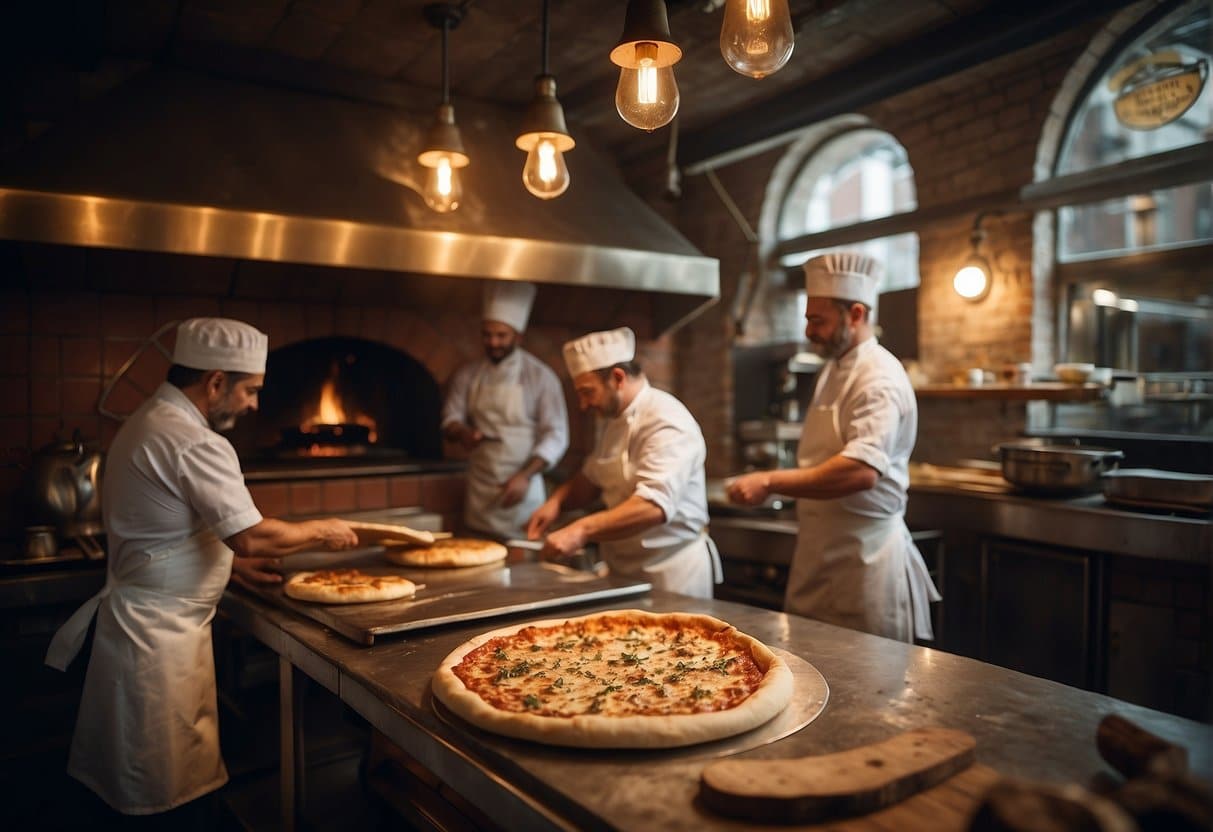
(175, 509)
(509, 411)
(855, 564)
(648, 469)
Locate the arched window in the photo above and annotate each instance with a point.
(854, 176)
(1153, 97)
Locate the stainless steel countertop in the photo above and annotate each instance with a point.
(1086, 523)
(1024, 726)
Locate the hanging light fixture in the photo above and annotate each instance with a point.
(973, 278)
(544, 136)
(647, 95)
(756, 37)
(443, 155)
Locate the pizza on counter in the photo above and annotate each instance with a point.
(619, 679)
(347, 586)
(451, 552)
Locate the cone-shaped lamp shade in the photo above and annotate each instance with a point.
(647, 95)
(545, 138)
(443, 156)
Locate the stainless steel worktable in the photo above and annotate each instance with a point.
(1024, 726)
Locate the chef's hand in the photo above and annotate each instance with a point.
(749, 489)
(514, 490)
(335, 534)
(563, 543)
(470, 438)
(249, 572)
(541, 519)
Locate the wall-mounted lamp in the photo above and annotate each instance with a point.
(647, 95)
(973, 278)
(544, 136)
(443, 155)
(756, 37)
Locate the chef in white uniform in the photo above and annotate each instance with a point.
(648, 469)
(508, 410)
(855, 564)
(175, 508)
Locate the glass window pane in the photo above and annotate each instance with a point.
(1160, 219)
(1167, 54)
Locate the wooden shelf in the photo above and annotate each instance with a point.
(1051, 391)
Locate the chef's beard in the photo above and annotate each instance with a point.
(613, 405)
(223, 416)
(842, 340)
(499, 354)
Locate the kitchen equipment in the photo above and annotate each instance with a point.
(1037, 465)
(370, 534)
(40, 542)
(64, 487)
(1074, 372)
(1151, 487)
(449, 595)
(858, 781)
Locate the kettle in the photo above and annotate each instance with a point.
(65, 487)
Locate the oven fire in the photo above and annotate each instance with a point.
(333, 427)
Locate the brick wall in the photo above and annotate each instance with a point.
(70, 317)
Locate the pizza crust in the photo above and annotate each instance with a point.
(452, 552)
(347, 586)
(599, 730)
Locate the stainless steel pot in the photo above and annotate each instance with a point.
(1037, 465)
(65, 487)
(1152, 487)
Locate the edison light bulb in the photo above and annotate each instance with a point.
(545, 174)
(970, 282)
(647, 95)
(756, 38)
(443, 188)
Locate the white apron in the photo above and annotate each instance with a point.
(851, 569)
(498, 410)
(147, 736)
(689, 567)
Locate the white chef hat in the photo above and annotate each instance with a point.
(220, 344)
(845, 275)
(509, 301)
(599, 350)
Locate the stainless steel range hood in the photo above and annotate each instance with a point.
(180, 162)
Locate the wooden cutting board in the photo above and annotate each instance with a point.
(919, 780)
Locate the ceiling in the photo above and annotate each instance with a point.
(368, 48)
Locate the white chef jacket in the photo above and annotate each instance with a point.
(146, 737)
(541, 392)
(519, 403)
(655, 450)
(855, 563)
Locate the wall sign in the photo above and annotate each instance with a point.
(1156, 89)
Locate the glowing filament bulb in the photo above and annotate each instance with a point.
(443, 185)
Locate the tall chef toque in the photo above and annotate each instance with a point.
(845, 275)
(509, 302)
(599, 350)
(220, 344)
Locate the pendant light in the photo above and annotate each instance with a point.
(544, 136)
(756, 37)
(443, 155)
(647, 95)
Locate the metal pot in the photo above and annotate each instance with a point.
(1036, 465)
(65, 487)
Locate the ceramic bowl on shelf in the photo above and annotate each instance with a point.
(1074, 373)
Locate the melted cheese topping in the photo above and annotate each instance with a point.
(614, 666)
(350, 580)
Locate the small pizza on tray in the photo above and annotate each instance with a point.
(451, 552)
(618, 679)
(347, 586)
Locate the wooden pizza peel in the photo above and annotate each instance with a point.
(393, 534)
(922, 779)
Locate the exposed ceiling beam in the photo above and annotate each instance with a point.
(996, 30)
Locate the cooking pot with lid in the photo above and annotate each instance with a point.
(1038, 465)
(65, 487)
